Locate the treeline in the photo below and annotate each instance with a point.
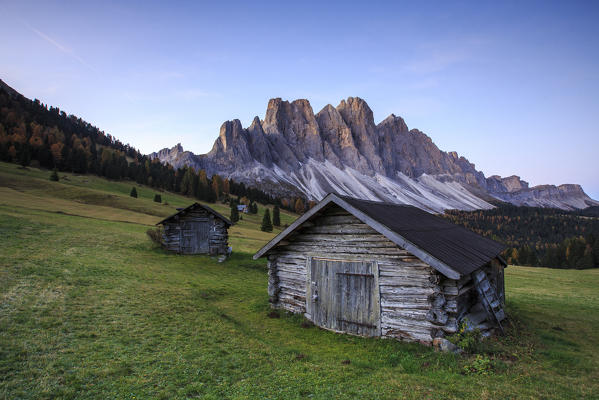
(31, 133)
(537, 236)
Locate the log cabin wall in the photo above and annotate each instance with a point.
(463, 303)
(196, 232)
(416, 302)
(219, 236)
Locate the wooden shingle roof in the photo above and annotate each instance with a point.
(451, 249)
(194, 206)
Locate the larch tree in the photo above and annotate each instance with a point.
(299, 206)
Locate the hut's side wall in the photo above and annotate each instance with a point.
(463, 303)
(460, 296)
(171, 236)
(412, 300)
(209, 234)
(219, 236)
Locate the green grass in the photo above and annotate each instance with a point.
(90, 309)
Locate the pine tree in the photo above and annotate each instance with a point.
(54, 176)
(157, 198)
(587, 259)
(266, 224)
(25, 156)
(532, 259)
(187, 182)
(211, 195)
(133, 192)
(276, 216)
(234, 211)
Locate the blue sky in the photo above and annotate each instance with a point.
(514, 87)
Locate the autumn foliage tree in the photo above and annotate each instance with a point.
(299, 206)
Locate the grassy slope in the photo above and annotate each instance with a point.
(89, 309)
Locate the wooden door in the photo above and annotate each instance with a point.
(343, 296)
(203, 237)
(195, 237)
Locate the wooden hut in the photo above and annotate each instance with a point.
(196, 229)
(378, 269)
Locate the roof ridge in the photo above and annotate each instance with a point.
(194, 204)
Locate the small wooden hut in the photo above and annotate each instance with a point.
(378, 269)
(196, 229)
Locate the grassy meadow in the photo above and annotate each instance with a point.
(90, 308)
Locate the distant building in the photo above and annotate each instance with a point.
(379, 269)
(242, 208)
(196, 229)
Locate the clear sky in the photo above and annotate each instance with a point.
(514, 87)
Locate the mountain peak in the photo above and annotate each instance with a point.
(293, 152)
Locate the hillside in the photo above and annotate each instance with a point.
(31, 133)
(94, 197)
(296, 152)
(90, 308)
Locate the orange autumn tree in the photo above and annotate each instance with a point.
(299, 206)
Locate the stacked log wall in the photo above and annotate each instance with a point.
(219, 236)
(171, 237)
(464, 303)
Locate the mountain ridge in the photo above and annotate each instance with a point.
(294, 151)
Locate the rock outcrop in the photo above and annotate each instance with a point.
(341, 149)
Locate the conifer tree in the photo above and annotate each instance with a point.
(54, 176)
(266, 224)
(25, 156)
(276, 216)
(234, 211)
(211, 195)
(133, 192)
(587, 259)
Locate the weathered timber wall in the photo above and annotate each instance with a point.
(409, 288)
(196, 232)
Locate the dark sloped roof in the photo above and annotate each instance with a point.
(458, 247)
(451, 249)
(193, 206)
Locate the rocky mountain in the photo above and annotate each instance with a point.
(340, 149)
